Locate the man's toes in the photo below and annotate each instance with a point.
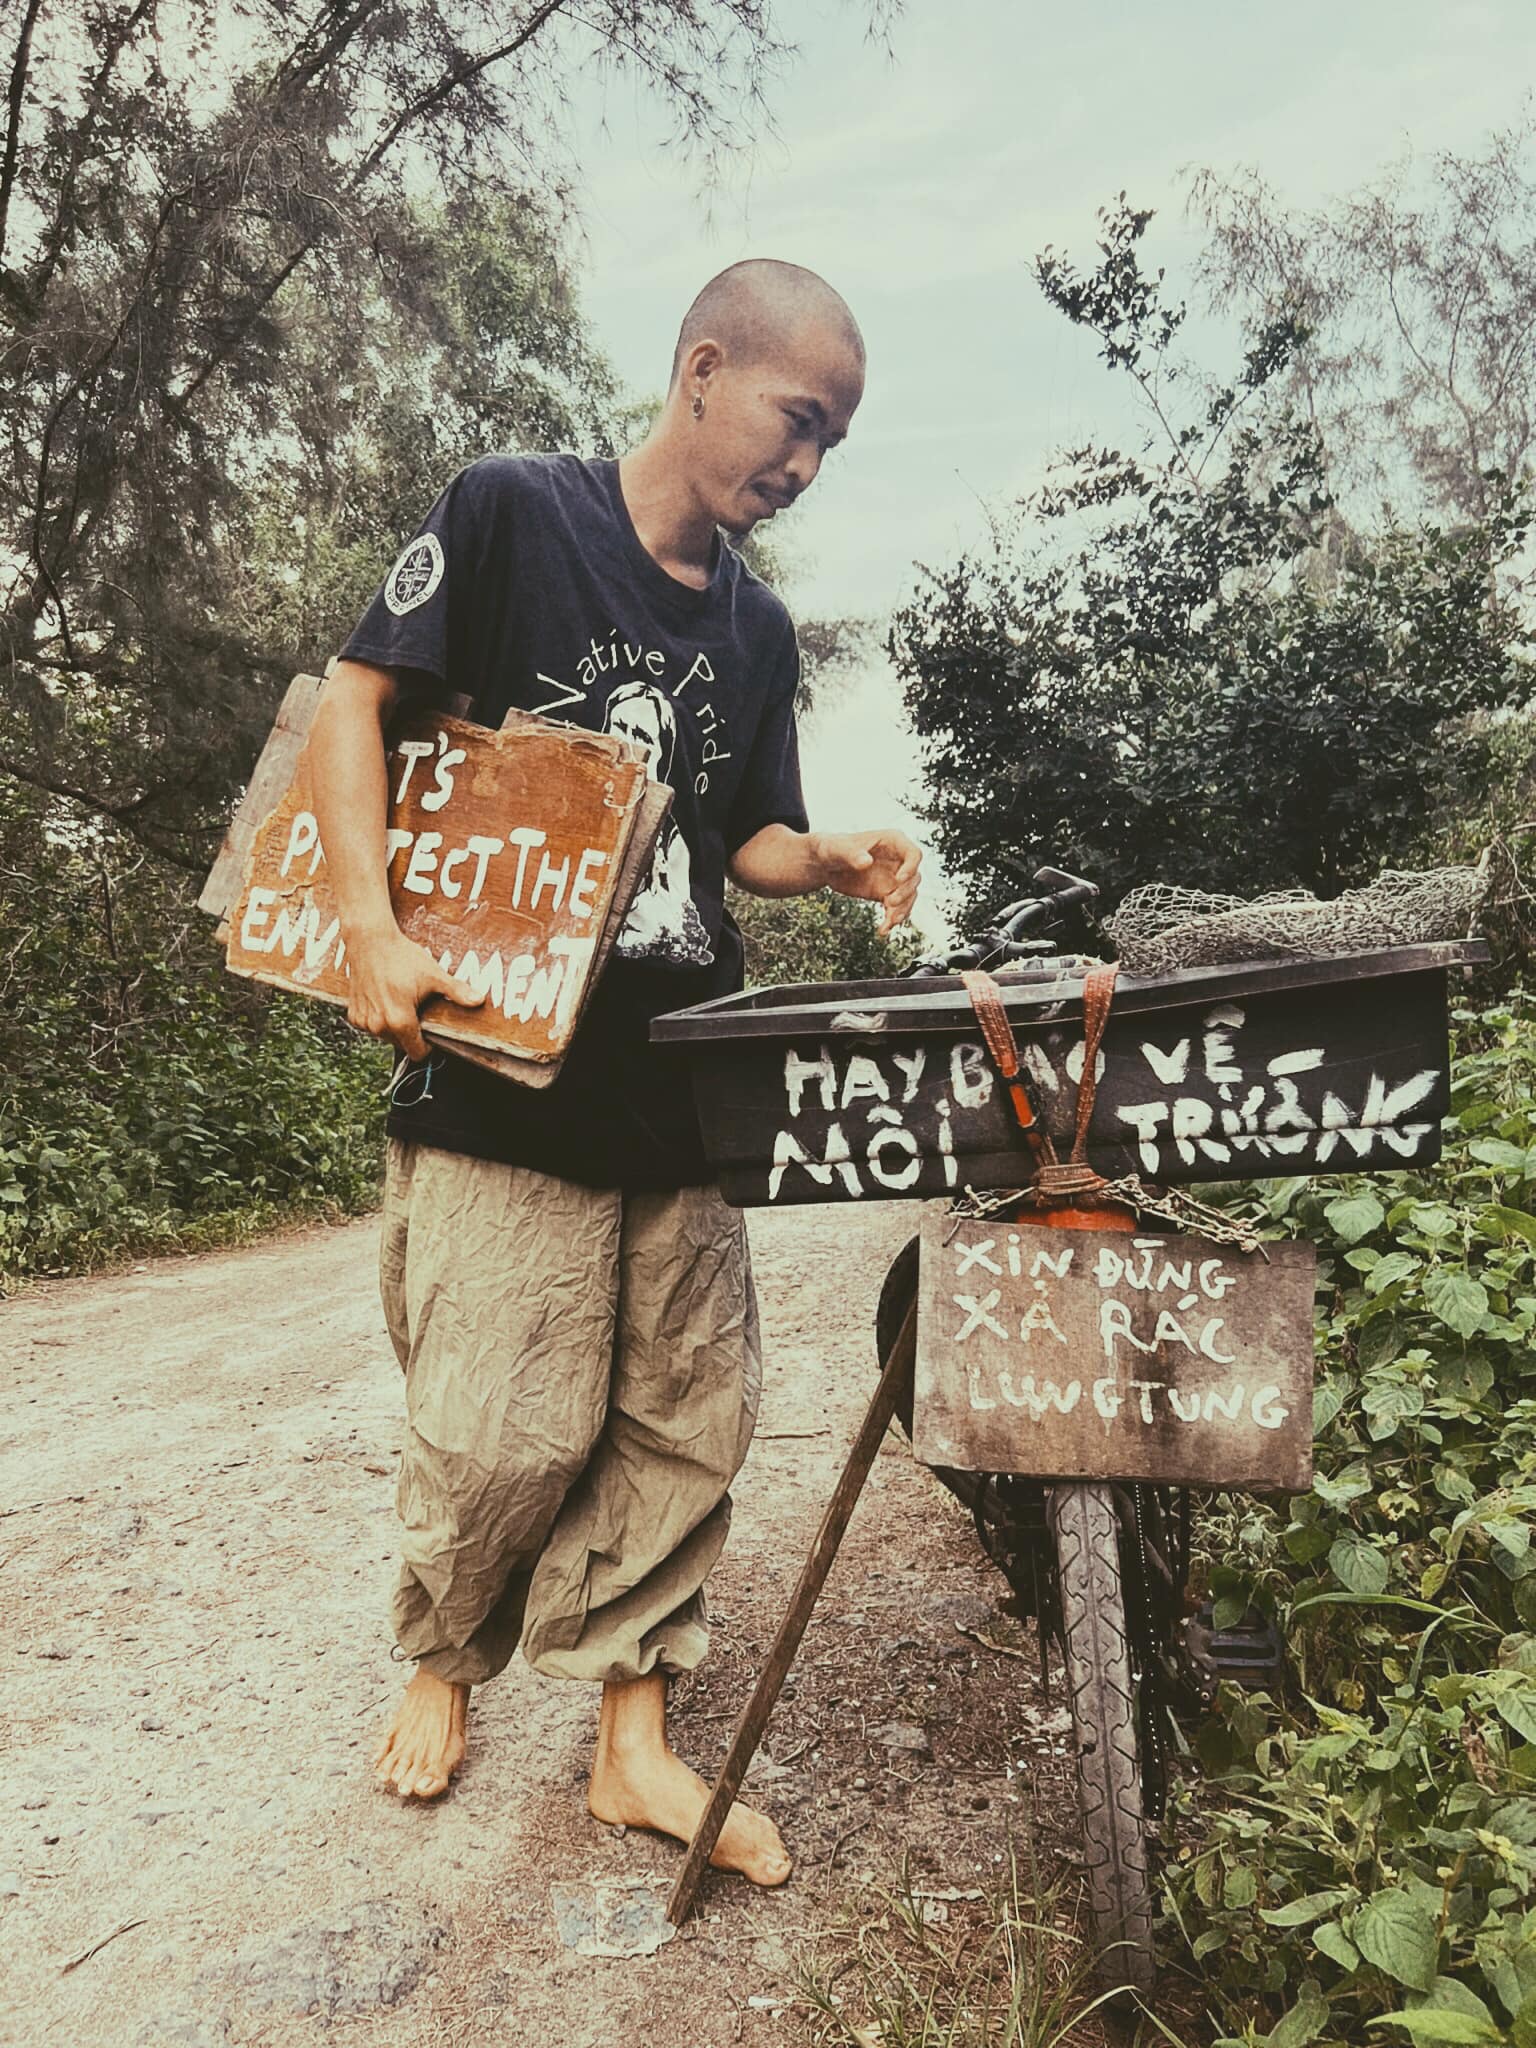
(423, 1782)
(751, 1843)
(403, 1770)
(770, 1856)
(767, 1860)
(762, 1868)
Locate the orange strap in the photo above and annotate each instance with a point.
(1052, 1177)
(1098, 994)
(987, 1001)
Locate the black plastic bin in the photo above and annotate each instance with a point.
(840, 1091)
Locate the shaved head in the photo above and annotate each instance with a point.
(759, 309)
(767, 375)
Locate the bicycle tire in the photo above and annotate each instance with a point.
(1096, 1649)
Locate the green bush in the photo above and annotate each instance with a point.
(1362, 1855)
(821, 937)
(1491, 797)
(147, 1099)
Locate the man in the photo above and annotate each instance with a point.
(568, 1295)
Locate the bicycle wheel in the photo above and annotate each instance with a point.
(1105, 1715)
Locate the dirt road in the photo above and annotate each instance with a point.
(196, 1548)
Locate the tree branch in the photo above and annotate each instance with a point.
(79, 382)
(344, 28)
(449, 84)
(120, 813)
(445, 87)
(14, 98)
(53, 244)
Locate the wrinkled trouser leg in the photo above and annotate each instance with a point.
(498, 1287)
(582, 1377)
(618, 1588)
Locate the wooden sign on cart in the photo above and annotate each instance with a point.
(860, 1091)
(1106, 1355)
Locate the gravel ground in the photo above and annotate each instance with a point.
(196, 1544)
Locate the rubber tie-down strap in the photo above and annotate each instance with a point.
(1075, 1177)
(1098, 994)
(987, 1001)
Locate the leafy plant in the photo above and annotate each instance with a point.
(823, 937)
(1361, 1856)
(148, 1100)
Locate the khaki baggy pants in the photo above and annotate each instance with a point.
(582, 1372)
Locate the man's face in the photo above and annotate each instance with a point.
(767, 425)
(637, 721)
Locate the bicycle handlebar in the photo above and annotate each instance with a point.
(1005, 938)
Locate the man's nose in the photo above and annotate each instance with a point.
(802, 467)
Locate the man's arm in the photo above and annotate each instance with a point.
(881, 866)
(390, 976)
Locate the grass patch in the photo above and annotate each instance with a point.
(999, 1968)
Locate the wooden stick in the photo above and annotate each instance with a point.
(86, 1953)
(895, 1379)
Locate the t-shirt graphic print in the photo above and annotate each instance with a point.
(415, 576)
(663, 923)
(527, 586)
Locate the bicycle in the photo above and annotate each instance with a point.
(1315, 1057)
(1102, 1567)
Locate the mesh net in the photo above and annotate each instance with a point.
(1161, 928)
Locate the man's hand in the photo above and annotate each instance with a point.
(391, 978)
(882, 866)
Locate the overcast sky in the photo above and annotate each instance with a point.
(922, 184)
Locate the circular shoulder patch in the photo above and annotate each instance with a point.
(416, 575)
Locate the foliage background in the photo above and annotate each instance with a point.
(148, 1101)
(1363, 1848)
(817, 938)
(259, 299)
(1186, 664)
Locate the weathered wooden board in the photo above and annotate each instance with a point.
(1083, 1354)
(270, 777)
(881, 1089)
(273, 773)
(655, 802)
(504, 855)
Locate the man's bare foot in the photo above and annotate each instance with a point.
(426, 1745)
(639, 1781)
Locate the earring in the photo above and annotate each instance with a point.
(698, 405)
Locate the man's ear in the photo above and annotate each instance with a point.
(701, 363)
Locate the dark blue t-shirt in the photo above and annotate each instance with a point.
(527, 585)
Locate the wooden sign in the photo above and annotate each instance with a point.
(869, 1090)
(1087, 1354)
(507, 854)
(269, 778)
